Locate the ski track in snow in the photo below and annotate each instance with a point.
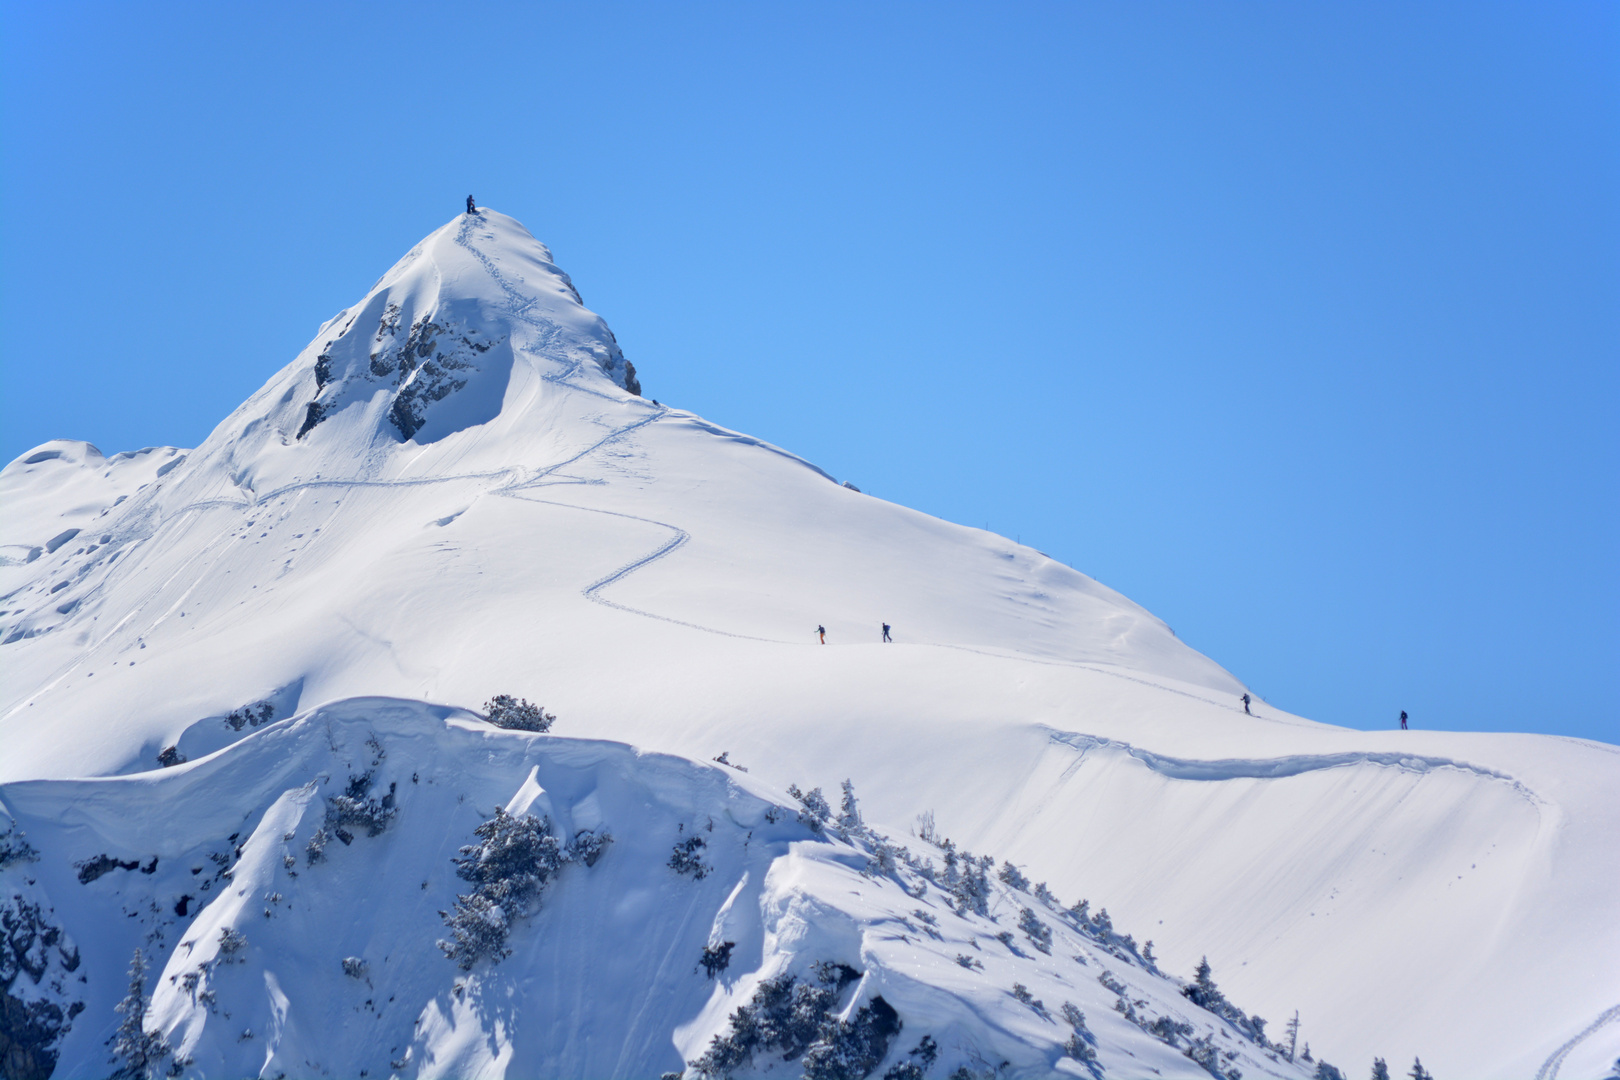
(1289, 765)
(593, 591)
(1549, 1068)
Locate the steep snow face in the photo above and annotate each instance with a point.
(431, 347)
(289, 893)
(657, 580)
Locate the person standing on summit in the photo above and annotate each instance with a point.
(886, 636)
(1403, 719)
(822, 630)
(472, 207)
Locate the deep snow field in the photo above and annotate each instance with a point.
(452, 494)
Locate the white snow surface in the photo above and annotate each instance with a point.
(483, 507)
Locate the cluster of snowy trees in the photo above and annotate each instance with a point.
(355, 808)
(506, 711)
(1203, 992)
(687, 858)
(797, 1019)
(510, 867)
(259, 712)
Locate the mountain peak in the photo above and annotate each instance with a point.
(431, 348)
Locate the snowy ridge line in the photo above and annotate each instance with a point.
(1549, 1068)
(1100, 670)
(519, 306)
(592, 591)
(1277, 768)
(749, 440)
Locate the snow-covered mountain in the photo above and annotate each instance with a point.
(456, 491)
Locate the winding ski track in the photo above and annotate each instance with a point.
(1549, 1068)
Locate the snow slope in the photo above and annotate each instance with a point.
(604, 980)
(481, 506)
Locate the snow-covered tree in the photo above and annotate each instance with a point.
(231, 942)
(815, 813)
(478, 929)
(687, 858)
(1081, 1043)
(1380, 1070)
(716, 958)
(136, 1051)
(514, 859)
(849, 814)
(1039, 934)
(1013, 877)
(355, 808)
(1418, 1071)
(316, 849)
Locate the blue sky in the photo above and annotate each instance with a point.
(1299, 324)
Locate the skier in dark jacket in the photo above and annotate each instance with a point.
(822, 630)
(472, 207)
(886, 636)
(1246, 704)
(1403, 719)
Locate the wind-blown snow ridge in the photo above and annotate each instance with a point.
(1275, 768)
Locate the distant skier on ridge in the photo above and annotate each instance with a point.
(886, 636)
(1246, 704)
(1403, 719)
(822, 630)
(472, 208)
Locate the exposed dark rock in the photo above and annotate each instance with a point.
(32, 1027)
(91, 869)
(316, 413)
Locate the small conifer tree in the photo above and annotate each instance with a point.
(1380, 1069)
(136, 1051)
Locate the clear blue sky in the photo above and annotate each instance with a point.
(1298, 323)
